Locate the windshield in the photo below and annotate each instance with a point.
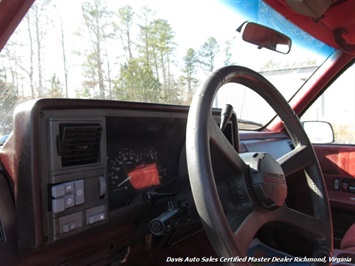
(147, 51)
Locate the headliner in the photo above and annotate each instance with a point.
(336, 27)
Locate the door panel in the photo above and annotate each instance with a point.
(338, 165)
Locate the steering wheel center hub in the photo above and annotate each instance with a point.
(268, 180)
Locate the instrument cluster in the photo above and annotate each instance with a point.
(131, 170)
(141, 156)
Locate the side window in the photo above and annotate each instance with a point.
(337, 106)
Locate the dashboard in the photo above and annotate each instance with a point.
(101, 173)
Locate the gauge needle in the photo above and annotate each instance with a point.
(124, 181)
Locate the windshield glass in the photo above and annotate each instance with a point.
(147, 51)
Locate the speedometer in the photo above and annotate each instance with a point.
(131, 170)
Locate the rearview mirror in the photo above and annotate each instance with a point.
(265, 37)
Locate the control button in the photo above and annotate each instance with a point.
(58, 205)
(96, 214)
(58, 191)
(69, 201)
(79, 192)
(102, 185)
(69, 227)
(96, 218)
(69, 187)
(345, 186)
(70, 222)
(336, 184)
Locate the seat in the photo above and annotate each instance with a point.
(347, 248)
(348, 241)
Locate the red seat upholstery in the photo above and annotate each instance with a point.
(348, 241)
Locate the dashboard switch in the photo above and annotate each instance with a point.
(102, 186)
(96, 214)
(79, 192)
(67, 195)
(96, 218)
(336, 184)
(69, 187)
(68, 227)
(70, 222)
(345, 185)
(69, 201)
(58, 205)
(58, 191)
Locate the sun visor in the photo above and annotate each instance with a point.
(310, 8)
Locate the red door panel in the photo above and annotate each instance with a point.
(338, 165)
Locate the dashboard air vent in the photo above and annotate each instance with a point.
(79, 144)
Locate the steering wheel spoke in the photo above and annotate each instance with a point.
(248, 228)
(299, 222)
(224, 147)
(295, 159)
(307, 224)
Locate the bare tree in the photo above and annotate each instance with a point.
(39, 21)
(62, 39)
(96, 17)
(30, 71)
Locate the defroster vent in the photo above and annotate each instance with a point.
(79, 144)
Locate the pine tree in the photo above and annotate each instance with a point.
(126, 16)
(190, 69)
(207, 54)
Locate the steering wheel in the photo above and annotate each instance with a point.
(236, 195)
